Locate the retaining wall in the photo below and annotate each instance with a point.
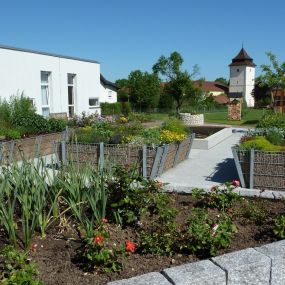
(192, 120)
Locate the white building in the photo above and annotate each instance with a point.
(56, 84)
(242, 77)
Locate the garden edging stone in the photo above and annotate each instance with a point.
(198, 273)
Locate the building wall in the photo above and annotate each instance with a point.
(215, 93)
(21, 72)
(242, 80)
(107, 94)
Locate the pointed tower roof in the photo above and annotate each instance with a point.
(242, 59)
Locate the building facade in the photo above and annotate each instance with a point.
(56, 84)
(242, 77)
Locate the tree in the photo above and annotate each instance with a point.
(179, 83)
(123, 95)
(144, 89)
(222, 80)
(261, 93)
(273, 75)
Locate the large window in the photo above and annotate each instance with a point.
(71, 82)
(45, 92)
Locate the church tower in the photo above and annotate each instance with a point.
(242, 77)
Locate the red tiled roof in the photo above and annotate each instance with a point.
(221, 99)
(209, 86)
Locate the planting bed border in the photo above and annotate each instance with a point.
(31, 147)
(258, 265)
(150, 161)
(259, 169)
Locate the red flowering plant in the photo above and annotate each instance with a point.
(100, 254)
(220, 196)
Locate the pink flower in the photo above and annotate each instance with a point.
(98, 240)
(236, 183)
(104, 221)
(34, 247)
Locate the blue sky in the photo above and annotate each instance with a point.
(125, 35)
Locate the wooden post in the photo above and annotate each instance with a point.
(63, 152)
(38, 143)
(238, 167)
(144, 161)
(251, 168)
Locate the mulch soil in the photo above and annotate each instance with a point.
(55, 255)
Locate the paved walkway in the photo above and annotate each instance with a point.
(206, 168)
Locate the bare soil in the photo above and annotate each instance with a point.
(55, 255)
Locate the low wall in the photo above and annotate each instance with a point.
(152, 162)
(192, 120)
(260, 169)
(29, 148)
(212, 140)
(259, 265)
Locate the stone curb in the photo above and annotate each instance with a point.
(245, 192)
(252, 266)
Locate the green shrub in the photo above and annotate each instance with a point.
(272, 119)
(17, 269)
(175, 125)
(5, 114)
(111, 108)
(275, 136)
(56, 125)
(207, 235)
(140, 117)
(85, 135)
(260, 143)
(10, 134)
(126, 108)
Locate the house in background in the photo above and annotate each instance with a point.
(57, 84)
(217, 90)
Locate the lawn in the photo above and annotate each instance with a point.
(251, 117)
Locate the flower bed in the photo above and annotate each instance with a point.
(156, 230)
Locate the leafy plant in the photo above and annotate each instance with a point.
(207, 235)
(279, 227)
(221, 197)
(16, 269)
(259, 143)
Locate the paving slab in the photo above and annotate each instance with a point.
(153, 278)
(246, 266)
(197, 273)
(276, 251)
(206, 168)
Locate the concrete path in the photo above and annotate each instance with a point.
(206, 168)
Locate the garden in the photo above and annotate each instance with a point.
(89, 226)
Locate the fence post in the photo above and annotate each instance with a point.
(144, 161)
(163, 158)
(11, 150)
(192, 137)
(38, 143)
(63, 152)
(238, 167)
(155, 166)
(101, 155)
(251, 168)
(177, 154)
(1, 152)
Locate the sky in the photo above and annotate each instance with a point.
(126, 35)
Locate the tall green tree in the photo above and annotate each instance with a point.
(273, 75)
(179, 83)
(144, 89)
(222, 80)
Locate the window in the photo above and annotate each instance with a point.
(109, 94)
(93, 103)
(45, 92)
(238, 70)
(71, 94)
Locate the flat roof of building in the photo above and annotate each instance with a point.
(47, 53)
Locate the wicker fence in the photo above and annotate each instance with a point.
(29, 148)
(150, 161)
(259, 169)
